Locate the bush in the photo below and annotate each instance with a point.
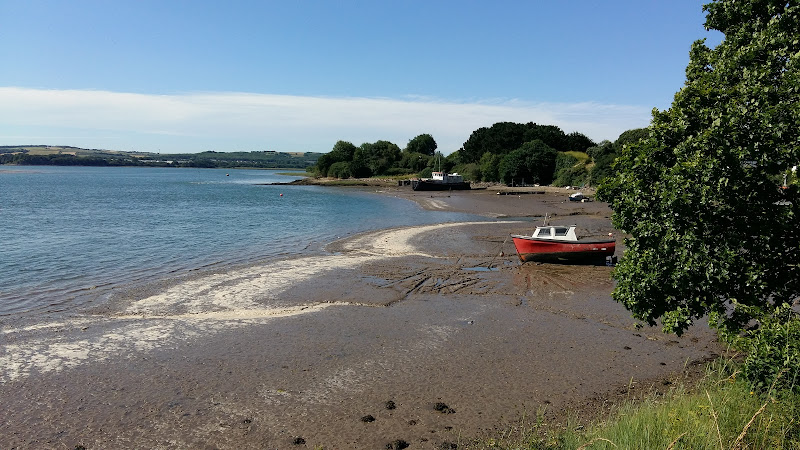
(571, 169)
(572, 176)
(393, 171)
(470, 172)
(340, 169)
(490, 167)
(532, 163)
(773, 352)
(565, 161)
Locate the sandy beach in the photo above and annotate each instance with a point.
(428, 336)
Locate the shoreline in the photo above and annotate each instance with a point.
(307, 347)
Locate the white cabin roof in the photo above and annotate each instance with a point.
(556, 232)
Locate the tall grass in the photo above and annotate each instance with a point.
(720, 413)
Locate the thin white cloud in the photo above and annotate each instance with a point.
(226, 121)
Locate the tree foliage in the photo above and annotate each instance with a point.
(23, 155)
(342, 151)
(479, 159)
(340, 169)
(380, 155)
(505, 137)
(424, 143)
(570, 170)
(630, 137)
(490, 166)
(577, 142)
(414, 161)
(500, 139)
(604, 154)
(773, 351)
(711, 231)
(533, 163)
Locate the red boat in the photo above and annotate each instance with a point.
(554, 243)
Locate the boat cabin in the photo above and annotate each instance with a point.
(556, 232)
(447, 177)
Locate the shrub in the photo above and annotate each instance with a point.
(393, 171)
(773, 352)
(572, 176)
(425, 173)
(471, 172)
(565, 161)
(340, 169)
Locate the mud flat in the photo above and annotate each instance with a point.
(426, 337)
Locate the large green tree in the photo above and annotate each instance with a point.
(711, 230)
(490, 166)
(604, 154)
(504, 137)
(379, 156)
(499, 139)
(577, 142)
(534, 162)
(424, 143)
(342, 151)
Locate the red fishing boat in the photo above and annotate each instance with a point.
(555, 243)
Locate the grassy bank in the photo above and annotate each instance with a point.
(721, 412)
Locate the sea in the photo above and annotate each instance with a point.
(72, 235)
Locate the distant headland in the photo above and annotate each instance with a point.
(48, 155)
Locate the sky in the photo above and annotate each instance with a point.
(175, 76)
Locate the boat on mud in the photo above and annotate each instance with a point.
(440, 181)
(558, 243)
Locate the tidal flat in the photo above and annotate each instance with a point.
(386, 337)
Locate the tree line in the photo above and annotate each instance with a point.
(208, 159)
(506, 152)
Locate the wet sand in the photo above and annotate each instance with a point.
(428, 336)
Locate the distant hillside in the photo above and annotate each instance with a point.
(74, 156)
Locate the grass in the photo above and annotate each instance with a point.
(295, 174)
(582, 157)
(720, 413)
(352, 182)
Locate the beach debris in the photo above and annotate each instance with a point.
(368, 418)
(298, 441)
(390, 405)
(443, 408)
(397, 445)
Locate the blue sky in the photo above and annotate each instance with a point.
(188, 76)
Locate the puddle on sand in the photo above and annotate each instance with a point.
(481, 269)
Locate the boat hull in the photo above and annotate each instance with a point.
(426, 185)
(551, 250)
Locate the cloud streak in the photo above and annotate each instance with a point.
(228, 121)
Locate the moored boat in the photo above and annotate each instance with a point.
(440, 181)
(556, 243)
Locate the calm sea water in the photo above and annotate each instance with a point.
(70, 231)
